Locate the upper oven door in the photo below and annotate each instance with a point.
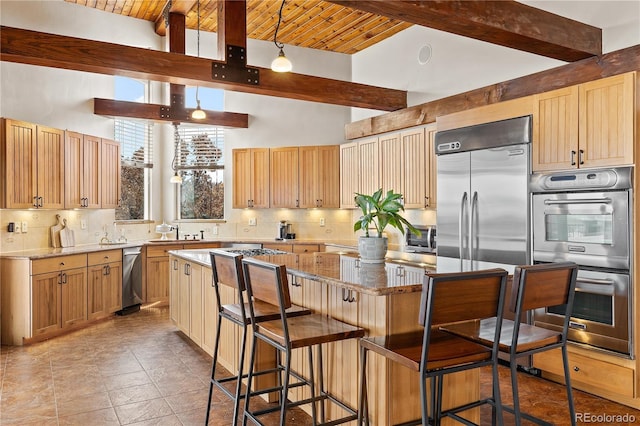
(589, 228)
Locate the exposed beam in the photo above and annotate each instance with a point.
(57, 51)
(618, 62)
(504, 22)
(163, 113)
(181, 7)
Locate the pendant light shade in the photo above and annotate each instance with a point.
(176, 178)
(281, 63)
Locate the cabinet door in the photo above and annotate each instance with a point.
(195, 304)
(110, 174)
(284, 177)
(96, 303)
(73, 161)
(349, 174)
(91, 163)
(158, 279)
(415, 169)
(183, 289)
(73, 297)
(260, 178)
(432, 176)
(209, 312)
(555, 130)
(329, 176)
(50, 143)
(369, 166)
(391, 164)
(241, 178)
(174, 284)
(20, 156)
(308, 170)
(45, 303)
(607, 122)
(113, 288)
(251, 178)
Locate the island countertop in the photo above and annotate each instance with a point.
(344, 270)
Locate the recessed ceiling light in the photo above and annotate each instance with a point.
(424, 55)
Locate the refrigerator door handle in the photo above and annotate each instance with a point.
(463, 203)
(474, 203)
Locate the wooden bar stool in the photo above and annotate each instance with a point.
(227, 270)
(534, 287)
(267, 283)
(446, 298)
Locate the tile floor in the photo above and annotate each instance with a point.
(139, 370)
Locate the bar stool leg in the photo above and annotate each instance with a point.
(514, 389)
(213, 369)
(321, 382)
(236, 405)
(249, 381)
(285, 388)
(496, 412)
(363, 409)
(314, 413)
(567, 382)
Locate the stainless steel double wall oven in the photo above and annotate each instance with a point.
(585, 216)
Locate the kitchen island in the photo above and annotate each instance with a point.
(382, 298)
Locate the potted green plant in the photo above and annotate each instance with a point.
(379, 211)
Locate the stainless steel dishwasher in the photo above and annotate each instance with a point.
(131, 280)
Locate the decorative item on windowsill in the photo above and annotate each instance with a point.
(281, 63)
(380, 212)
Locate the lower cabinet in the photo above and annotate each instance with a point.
(104, 290)
(157, 273)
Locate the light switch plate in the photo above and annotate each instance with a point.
(252, 221)
(83, 224)
(16, 227)
(24, 227)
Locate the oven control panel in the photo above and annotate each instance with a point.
(581, 180)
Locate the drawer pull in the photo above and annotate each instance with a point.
(576, 368)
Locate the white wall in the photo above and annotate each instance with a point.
(459, 64)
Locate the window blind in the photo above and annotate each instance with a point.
(135, 138)
(199, 148)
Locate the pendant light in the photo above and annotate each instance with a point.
(281, 63)
(176, 178)
(198, 113)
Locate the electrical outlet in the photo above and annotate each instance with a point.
(252, 221)
(322, 221)
(16, 228)
(24, 227)
(214, 230)
(83, 224)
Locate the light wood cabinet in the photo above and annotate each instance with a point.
(59, 293)
(187, 309)
(104, 288)
(349, 174)
(588, 125)
(250, 178)
(158, 274)
(32, 164)
(283, 177)
(110, 174)
(319, 176)
(83, 161)
(369, 169)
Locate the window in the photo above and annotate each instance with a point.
(135, 137)
(200, 161)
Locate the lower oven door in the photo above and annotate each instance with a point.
(589, 228)
(601, 312)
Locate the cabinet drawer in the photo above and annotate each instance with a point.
(278, 246)
(102, 257)
(584, 370)
(306, 248)
(160, 251)
(58, 263)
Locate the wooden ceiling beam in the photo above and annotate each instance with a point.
(181, 7)
(57, 51)
(163, 113)
(503, 22)
(610, 64)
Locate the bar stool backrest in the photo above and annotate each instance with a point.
(465, 296)
(227, 270)
(543, 285)
(267, 282)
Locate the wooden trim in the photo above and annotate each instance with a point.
(614, 63)
(504, 22)
(57, 51)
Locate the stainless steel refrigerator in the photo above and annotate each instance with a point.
(483, 198)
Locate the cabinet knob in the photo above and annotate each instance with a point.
(576, 368)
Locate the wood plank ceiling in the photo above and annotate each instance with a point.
(305, 23)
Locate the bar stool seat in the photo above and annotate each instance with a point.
(227, 270)
(267, 283)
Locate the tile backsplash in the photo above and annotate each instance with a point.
(89, 226)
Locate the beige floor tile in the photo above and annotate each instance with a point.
(171, 420)
(188, 401)
(84, 403)
(126, 380)
(104, 417)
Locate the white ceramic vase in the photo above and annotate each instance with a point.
(372, 249)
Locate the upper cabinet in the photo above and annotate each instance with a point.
(588, 125)
(82, 162)
(319, 184)
(32, 162)
(110, 174)
(284, 177)
(403, 162)
(250, 178)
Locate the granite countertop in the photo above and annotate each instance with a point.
(344, 270)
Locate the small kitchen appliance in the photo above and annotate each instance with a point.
(285, 231)
(425, 243)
